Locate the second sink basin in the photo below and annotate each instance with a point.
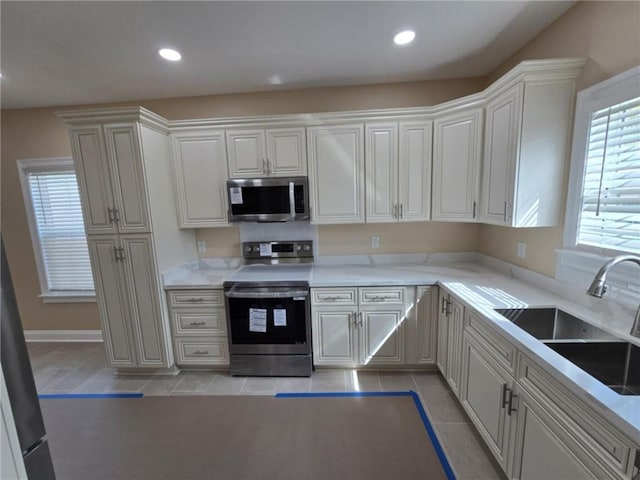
(553, 324)
(616, 364)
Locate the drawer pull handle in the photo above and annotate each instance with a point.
(378, 298)
(333, 299)
(505, 391)
(197, 324)
(201, 352)
(198, 299)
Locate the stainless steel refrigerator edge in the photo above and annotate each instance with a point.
(21, 387)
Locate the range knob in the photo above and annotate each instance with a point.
(298, 248)
(247, 249)
(306, 248)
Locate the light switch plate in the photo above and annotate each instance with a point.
(522, 249)
(375, 242)
(202, 246)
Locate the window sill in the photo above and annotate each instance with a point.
(578, 268)
(68, 297)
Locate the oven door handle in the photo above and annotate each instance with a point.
(261, 294)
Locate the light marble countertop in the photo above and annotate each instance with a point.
(477, 286)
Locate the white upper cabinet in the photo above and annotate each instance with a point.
(457, 153)
(414, 171)
(263, 153)
(381, 153)
(200, 174)
(108, 159)
(526, 145)
(286, 152)
(336, 173)
(398, 171)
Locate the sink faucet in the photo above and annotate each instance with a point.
(598, 286)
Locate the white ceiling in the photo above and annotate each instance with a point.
(65, 53)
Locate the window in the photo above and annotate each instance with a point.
(610, 204)
(52, 200)
(603, 203)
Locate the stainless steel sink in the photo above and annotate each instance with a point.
(604, 356)
(554, 324)
(616, 364)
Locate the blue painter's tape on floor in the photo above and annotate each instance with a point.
(416, 400)
(49, 396)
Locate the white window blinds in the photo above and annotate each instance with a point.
(63, 243)
(610, 207)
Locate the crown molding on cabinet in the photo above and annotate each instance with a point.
(126, 114)
(530, 71)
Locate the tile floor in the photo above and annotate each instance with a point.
(81, 368)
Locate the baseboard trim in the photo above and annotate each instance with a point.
(63, 335)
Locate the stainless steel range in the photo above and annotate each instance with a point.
(269, 310)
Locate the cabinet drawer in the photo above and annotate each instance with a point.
(377, 295)
(199, 322)
(334, 296)
(204, 351)
(496, 345)
(182, 298)
(609, 447)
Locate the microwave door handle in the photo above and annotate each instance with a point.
(292, 201)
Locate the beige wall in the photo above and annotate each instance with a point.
(608, 34)
(37, 133)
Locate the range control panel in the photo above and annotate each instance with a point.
(300, 250)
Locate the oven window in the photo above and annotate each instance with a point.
(262, 321)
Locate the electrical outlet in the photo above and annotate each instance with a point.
(202, 246)
(375, 242)
(522, 249)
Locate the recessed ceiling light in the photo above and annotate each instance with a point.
(170, 54)
(404, 37)
(275, 80)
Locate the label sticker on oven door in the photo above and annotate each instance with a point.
(258, 320)
(279, 317)
(236, 195)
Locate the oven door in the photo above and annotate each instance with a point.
(268, 320)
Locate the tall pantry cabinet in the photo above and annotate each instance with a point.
(122, 160)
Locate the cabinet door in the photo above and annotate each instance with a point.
(541, 448)
(113, 303)
(334, 339)
(381, 153)
(427, 299)
(503, 120)
(443, 333)
(129, 186)
(456, 166)
(381, 336)
(94, 179)
(286, 152)
(336, 174)
(200, 175)
(455, 319)
(246, 153)
(147, 316)
(484, 385)
(414, 171)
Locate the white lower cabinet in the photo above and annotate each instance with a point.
(535, 427)
(541, 448)
(198, 327)
(128, 294)
(360, 326)
(487, 396)
(449, 353)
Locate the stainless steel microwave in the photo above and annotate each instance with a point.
(282, 199)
